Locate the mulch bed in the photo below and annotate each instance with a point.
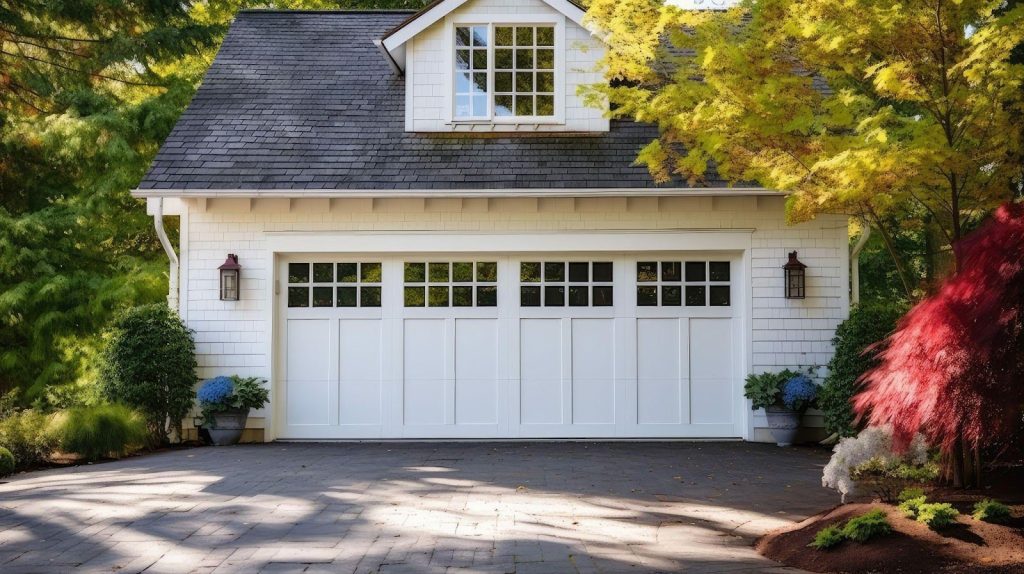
(970, 546)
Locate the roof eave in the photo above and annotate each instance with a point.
(454, 193)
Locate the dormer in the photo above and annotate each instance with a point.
(497, 66)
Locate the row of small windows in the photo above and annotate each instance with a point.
(542, 284)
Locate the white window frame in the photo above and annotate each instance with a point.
(556, 20)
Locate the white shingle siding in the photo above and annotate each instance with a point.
(429, 89)
(231, 336)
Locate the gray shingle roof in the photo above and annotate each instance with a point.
(306, 100)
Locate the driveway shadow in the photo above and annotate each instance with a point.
(414, 507)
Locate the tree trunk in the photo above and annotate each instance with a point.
(890, 246)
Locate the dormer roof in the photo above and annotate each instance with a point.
(394, 40)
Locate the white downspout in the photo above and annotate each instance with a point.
(158, 223)
(855, 261)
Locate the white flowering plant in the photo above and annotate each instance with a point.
(868, 459)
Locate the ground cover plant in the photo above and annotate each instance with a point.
(858, 529)
(993, 511)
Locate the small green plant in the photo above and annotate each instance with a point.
(27, 434)
(867, 526)
(937, 515)
(910, 494)
(765, 389)
(828, 537)
(6, 462)
(993, 511)
(887, 477)
(104, 431)
(912, 506)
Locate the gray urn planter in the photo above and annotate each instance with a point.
(783, 424)
(227, 427)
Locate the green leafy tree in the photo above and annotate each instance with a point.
(886, 111)
(88, 91)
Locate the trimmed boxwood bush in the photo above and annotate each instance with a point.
(989, 510)
(868, 324)
(149, 364)
(6, 462)
(27, 434)
(104, 431)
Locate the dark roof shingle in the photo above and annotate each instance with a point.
(306, 100)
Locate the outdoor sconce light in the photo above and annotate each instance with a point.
(794, 271)
(230, 274)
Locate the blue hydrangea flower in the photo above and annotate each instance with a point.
(799, 392)
(216, 390)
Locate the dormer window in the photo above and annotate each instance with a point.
(505, 73)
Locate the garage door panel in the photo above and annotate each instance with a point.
(650, 365)
(593, 370)
(309, 372)
(661, 389)
(711, 395)
(476, 371)
(359, 368)
(425, 377)
(540, 357)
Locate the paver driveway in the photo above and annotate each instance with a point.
(413, 507)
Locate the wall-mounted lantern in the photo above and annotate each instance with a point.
(230, 275)
(794, 271)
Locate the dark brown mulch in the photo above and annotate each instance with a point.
(970, 546)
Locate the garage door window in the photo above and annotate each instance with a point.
(451, 284)
(561, 283)
(677, 283)
(334, 284)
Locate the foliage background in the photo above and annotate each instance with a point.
(88, 91)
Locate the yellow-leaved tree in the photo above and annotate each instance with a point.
(887, 111)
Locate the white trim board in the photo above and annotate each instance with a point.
(412, 193)
(533, 242)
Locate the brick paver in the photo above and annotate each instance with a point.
(527, 508)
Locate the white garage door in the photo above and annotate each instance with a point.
(510, 346)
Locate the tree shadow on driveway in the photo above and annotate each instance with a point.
(414, 507)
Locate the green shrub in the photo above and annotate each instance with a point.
(937, 515)
(6, 462)
(104, 431)
(867, 526)
(27, 434)
(827, 537)
(910, 494)
(989, 510)
(149, 364)
(911, 507)
(887, 477)
(765, 389)
(868, 324)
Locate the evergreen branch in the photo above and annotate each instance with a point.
(80, 71)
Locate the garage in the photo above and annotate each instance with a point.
(532, 345)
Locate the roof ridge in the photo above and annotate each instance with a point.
(336, 11)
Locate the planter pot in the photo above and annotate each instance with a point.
(227, 427)
(783, 424)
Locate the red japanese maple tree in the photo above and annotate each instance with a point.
(954, 368)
